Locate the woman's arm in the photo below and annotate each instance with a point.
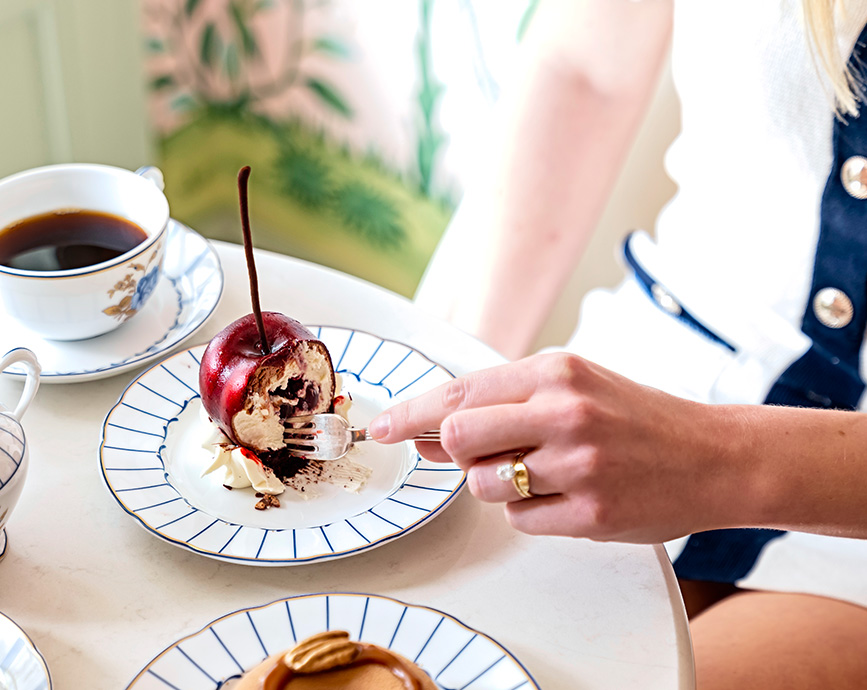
(610, 459)
(587, 72)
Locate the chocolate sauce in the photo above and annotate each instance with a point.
(304, 391)
(283, 463)
(280, 676)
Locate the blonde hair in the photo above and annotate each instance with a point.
(819, 19)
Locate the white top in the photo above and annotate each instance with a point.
(737, 242)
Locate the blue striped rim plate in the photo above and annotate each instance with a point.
(22, 665)
(454, 655)
(182, 301)
(152, 456)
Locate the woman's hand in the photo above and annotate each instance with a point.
(608, 459)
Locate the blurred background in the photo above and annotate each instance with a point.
(359, 119)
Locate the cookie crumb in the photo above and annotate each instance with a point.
(268, 501)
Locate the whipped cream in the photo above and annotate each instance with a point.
(239, 467)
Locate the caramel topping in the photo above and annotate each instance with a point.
(334, 650)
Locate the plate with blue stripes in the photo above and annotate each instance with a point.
(454, 655)
(152, 456)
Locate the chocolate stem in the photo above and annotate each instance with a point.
(243, 176)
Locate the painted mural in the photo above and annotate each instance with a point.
(358, 119)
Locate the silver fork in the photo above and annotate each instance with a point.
(329, 436)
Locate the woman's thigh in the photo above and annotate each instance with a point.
(774, 640)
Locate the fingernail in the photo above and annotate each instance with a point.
(380, 426)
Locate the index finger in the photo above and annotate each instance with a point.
(508, 383)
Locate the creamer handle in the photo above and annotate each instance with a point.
(31, 384)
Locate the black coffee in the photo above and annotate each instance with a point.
(60, 240)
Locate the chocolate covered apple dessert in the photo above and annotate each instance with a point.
(257, 373)
(331, 660)
(250, 393)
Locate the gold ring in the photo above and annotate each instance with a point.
(517, 472)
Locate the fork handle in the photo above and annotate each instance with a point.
(356, 435)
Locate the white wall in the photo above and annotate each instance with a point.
(641, 191)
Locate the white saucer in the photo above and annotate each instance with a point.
(451, 653)
(185, 297)
(152, 458)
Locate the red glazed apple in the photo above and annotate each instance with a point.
(249, 394)
(263, 368)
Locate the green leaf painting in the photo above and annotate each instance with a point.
(304, 177)
(163, 81)
(329, 96)
(248, 40)
(369, 213)
(527, 16)
(232, 62)
(428, 96)
(267, 83)
(209, 48)
(332, 46)
(190, 7)
(183, 102)
(228, 41)
(155, 45)
(429, 93)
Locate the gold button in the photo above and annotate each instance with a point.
(833, 307)
(854, 176)
(665, 299)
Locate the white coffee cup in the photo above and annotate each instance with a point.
(79, 303)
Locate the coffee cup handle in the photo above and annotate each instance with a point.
(155, 175)
(28, 359)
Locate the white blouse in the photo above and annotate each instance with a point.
(736, 244)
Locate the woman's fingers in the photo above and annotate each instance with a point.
(433, 451)
(486, 485)
(483, 432)
(509, 383)
(477, 433)
(557, 514)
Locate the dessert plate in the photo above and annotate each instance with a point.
(152, 458)
(22, 666)
(185, 297)
(454, 655)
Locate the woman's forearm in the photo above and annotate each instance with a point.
(587, 73)
(790, 468)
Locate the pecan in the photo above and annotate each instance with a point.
(322, 652)
(267, 501)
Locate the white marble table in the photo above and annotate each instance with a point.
(101, 597)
